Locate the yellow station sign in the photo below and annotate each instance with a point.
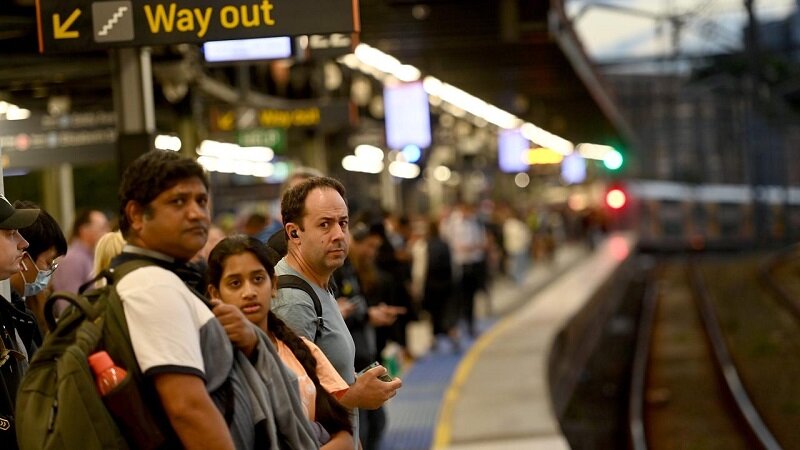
(79, 25)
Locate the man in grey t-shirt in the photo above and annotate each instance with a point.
(315, 219)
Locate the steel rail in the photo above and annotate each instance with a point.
(724, 363)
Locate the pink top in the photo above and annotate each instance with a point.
(329, 378)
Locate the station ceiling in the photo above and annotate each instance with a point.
(503, 51)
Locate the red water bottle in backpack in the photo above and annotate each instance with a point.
(106, 373)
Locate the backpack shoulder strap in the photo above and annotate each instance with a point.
(294, 282)
(127, 267)
(79, 301)
(114, 308)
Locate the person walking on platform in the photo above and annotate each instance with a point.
(466, 236)
(316, 218)
(432, 282)
(14, 324)
(517, 239)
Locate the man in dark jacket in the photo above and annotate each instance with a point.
(13, 322)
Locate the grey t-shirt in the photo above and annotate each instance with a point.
(296, 308)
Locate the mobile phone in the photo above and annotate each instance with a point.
(385, 377)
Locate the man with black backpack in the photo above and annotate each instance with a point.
(13, 351)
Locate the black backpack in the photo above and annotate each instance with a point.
(58, 405)
(277, 249)
(295, 282)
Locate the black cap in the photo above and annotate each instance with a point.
(14, 219)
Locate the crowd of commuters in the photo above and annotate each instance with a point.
(209, 322)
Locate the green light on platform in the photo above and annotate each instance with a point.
(612, 160)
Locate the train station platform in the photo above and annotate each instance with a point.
(494, 392)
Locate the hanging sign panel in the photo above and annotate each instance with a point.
(80, 25)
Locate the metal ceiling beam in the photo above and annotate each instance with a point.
(567, 39)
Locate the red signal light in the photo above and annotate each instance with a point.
(616, 198)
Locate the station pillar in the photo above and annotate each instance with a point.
(132, 85)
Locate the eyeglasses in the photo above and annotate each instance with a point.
(50, 268)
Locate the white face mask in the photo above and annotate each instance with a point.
(40, 283)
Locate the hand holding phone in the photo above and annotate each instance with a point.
(385, 377)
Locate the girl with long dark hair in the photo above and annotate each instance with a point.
(240, 274)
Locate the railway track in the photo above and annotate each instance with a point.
(685, 389)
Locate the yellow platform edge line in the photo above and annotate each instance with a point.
(443, 433)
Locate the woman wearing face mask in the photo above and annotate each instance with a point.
(47, 245)
(241, 278)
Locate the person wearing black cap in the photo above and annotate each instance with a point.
(13, 351)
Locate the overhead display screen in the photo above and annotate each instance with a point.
(408, 117)
(248, 49)
(512, 149)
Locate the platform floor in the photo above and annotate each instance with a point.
(416, 418)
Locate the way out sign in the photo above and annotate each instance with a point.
(80, 25)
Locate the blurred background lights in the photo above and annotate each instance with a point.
(10, 111)
(441, 173)
(577, 202)
(369, 152)
(546, 139)
(365, 158)
(593, 151)
(411, 153)
(281, 170)
(512, 150)
(522, 180)
(382, 66)
(612, 160)
(167, 142)
(225, 157)
(465, 102)
(376, 59)
(616, 198)
(573, 168)
(353, 163)
(454, 180)
(543, 156)
(401, 169)
(619, 247)
(229, 151)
